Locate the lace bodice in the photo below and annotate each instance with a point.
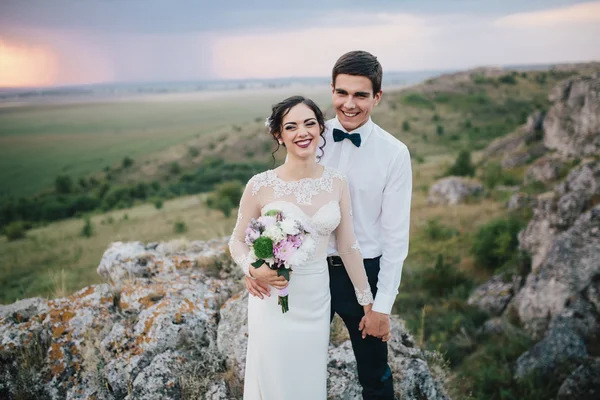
(322, 203)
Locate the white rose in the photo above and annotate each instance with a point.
(274, 233)
(289, 226)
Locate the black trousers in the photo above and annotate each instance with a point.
(374, 373)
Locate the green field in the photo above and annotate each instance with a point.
(40, 142)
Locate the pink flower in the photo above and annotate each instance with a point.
(283, 250)
(296, 240)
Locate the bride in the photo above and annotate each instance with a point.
(287, 352)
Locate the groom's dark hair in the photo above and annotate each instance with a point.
(359, 63)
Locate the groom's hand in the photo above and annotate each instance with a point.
(375, 324)
(257, 288)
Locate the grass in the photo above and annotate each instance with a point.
(56, 260)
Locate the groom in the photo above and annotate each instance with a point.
(379, 173)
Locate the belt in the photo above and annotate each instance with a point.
(336, 261)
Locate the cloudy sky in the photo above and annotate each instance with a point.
(61, 42)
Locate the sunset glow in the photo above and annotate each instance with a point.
(22, 66)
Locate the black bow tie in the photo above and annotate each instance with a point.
(339, 135)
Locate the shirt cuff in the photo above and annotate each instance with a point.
(383, 303)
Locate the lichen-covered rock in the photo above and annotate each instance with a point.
(583, 382)
(133, 338)
(556, 211)
(552, 356)
(570, 266)
(564, 346)
(572, 125)
(493, 296)
(453, 190)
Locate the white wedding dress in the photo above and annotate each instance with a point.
(287, 353)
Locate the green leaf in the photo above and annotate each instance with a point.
(272, 213)
(284, 272)
(258, 263)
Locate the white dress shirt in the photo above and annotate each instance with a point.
(380, 177)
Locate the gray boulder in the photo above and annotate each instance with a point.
(453, 190)
(494, 295)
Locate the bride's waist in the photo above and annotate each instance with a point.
(315, 265)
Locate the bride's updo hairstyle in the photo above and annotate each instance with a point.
(280, 110)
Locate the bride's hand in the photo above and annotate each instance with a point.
(269, 276)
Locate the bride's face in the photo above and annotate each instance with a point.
(300, 132)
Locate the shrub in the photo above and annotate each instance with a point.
(462, 166)
(496, 242)
(174, 168)
(15, 230)
(225, 197)
(443, 278)
(88, 228)
(493, 175)
(435, 230)
(440, 130)
(179, 227)
(406, 126)
(193, 152)
(224, 205)
(158, 203)
(63, 184)
(127, 162)
(508, 79)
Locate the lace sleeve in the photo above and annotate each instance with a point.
(249, 208)
(349, 250)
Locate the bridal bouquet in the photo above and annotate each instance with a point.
(282, 242)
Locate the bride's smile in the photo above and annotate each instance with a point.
(300, 132)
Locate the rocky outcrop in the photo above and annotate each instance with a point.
(557, 211)
(572, 125)
(570, 266)
(137, 338)
(171, 324)
(453, 190)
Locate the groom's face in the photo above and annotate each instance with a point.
(353, 100)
